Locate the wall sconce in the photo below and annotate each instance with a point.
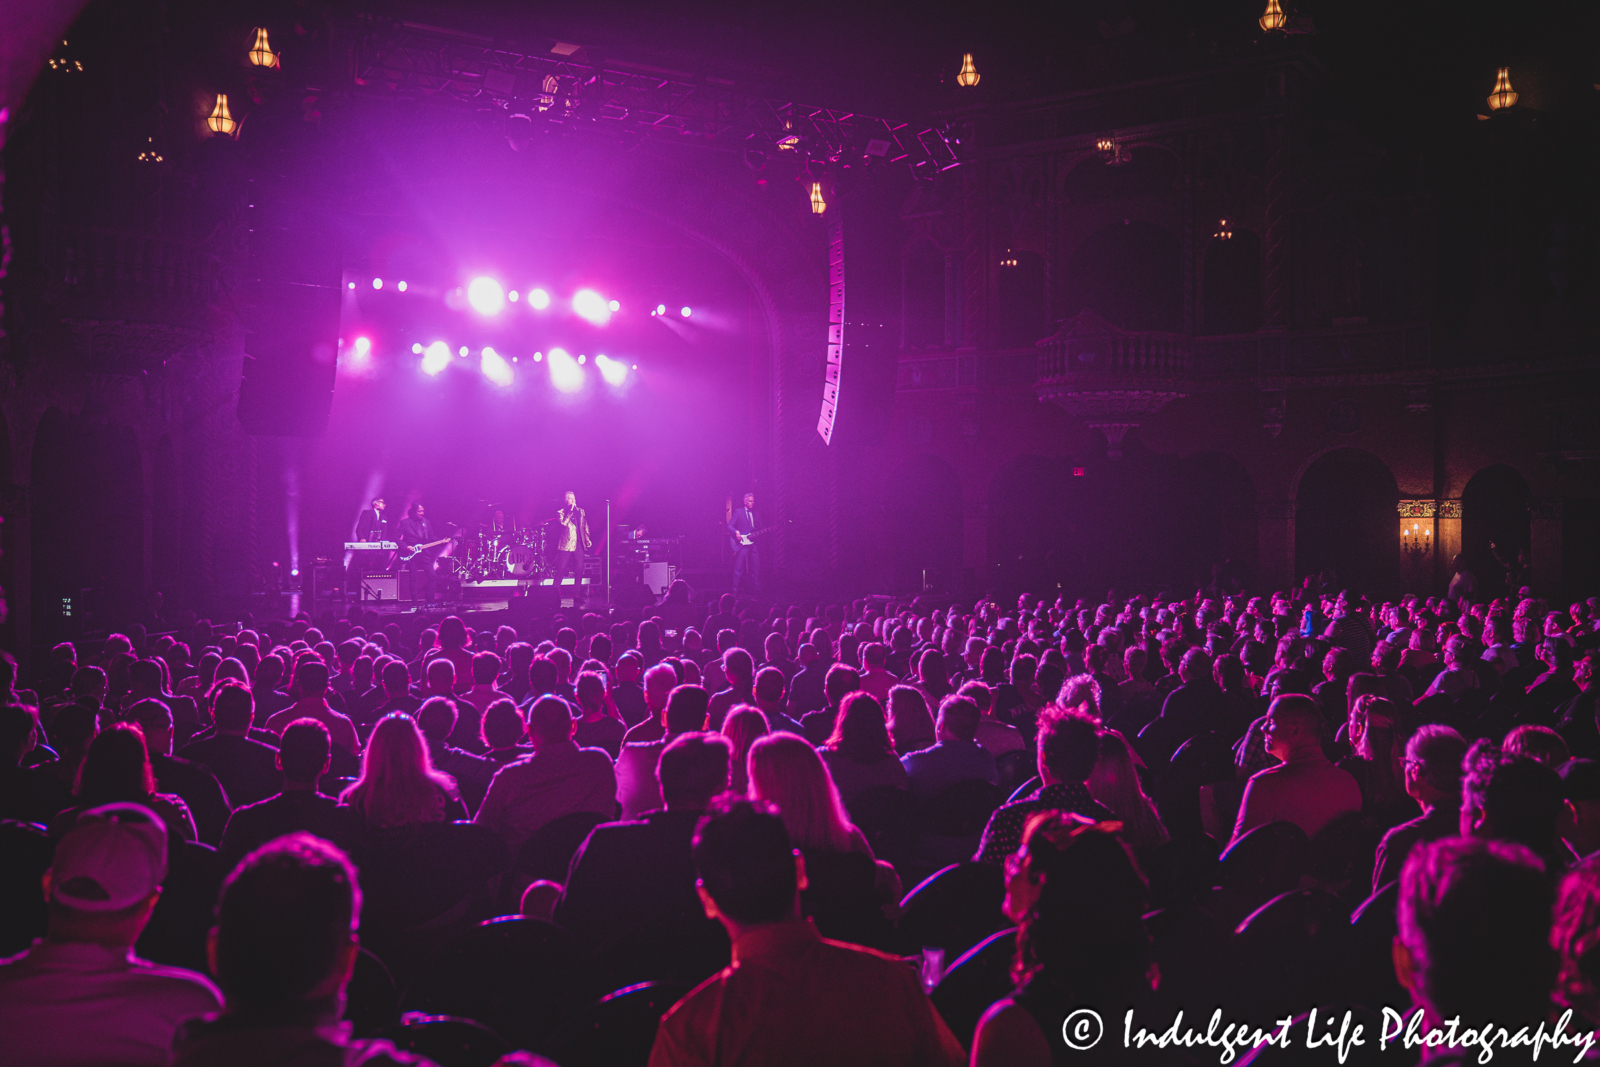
(818, 205)
(261, 53)
(1503, 95)
(150, 155)
(1115, 154)
(1274, 18)
(222, 124)
(1416, 540)
(968, 77)
(1224, 230)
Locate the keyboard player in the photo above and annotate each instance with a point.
(371, 527)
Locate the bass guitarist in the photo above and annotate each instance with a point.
(415, 530)
(742, 524)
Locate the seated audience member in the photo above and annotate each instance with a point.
(1458, 675)
(1474, 937)
(558, 779)
(911, 726)
(659, 682)
(1576, 717)
(839, 683)
(1580, 821)
(1554, 687)
(771, 691)
(1513, 798)
(247, 768)
(1433, 779)
(504, 733)
(80, 995)
(396, 679)
(399, 785)
(859, 754)
(198, 787)
(437, 719)
(1377, 761)
(597, 727)
(1114, 783)
(116, 770)
(303, 759)
(995, 736)
(789, 996)
(283, 950)
(740, 668)
(742, 727)
(1068, 745)
(1197, 704)
(806, 692)
(631, 884)
(311, 681)
(483, 691)
(145, 682)
(874, 679)
(637, 788)
(1536, 743)
(1304, 788)
(955, 757)
(1574, 935)
(27, 793)
(1066, 868)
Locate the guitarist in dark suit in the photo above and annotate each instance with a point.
(415, 529)
(746, 556)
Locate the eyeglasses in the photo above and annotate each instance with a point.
(1409, 763)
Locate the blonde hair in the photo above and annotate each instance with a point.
(743, 726)
(398, 785)
(1114, 782)
(786, 772)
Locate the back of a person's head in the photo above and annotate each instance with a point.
(1536, 743)
(145, 673)
(543, 674)
(1195, 666)
(485, 668)
(960, 716)
(590, 690)
(116, 767)
(286, 916)
(1069, 744)
(311, 677)
(438, 717)
(770, 685)
(1440, 750)
(686, 708)
(150, 715)
(873, 655)
(18, 724)
(861, 729)
(1518, 799)
(452, 633)
(550, 720)
(396, 676)
(838, 681)
(742, 726)
(786, 772)
(398, 785)
(502, 726)
(441, 673)
(1474, 919)
(693, 769)
(738, 665)
(304, 750)
(745, 860)
(73, 727)
(88, 681)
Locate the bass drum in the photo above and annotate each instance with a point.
(522, 561)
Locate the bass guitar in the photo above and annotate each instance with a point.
(411, 551)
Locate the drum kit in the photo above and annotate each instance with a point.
(498, 549)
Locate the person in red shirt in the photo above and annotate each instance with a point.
(789, 996)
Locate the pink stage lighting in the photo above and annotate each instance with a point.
(377, 283)
(486, 296)
(684, 312)
(588, 304)
(615, 372)
(538, 299)
(565, 374)
(436, 357)
(495, 368)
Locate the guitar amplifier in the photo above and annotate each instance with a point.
(380, 587)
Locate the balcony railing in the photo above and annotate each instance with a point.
(162, 275)
(1088, 346)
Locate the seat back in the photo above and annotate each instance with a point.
(962, 808)
(619, 1028)
(888, 817)
(954, 908)
(25, 852)
(447, 1040)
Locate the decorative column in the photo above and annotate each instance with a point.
(1275, 543)
(1418, 551)
(1544, 534)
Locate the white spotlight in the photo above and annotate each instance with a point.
(495, 368)
(436, 357)
(538, 300)
(588, 304)
(615, 372)
(486, 296)
(565, 374)
(615, 305)
(684, 312)
(377, 283)
(401, 287)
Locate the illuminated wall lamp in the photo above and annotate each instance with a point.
(818, 205)
(968, 77)
(1503, 95)
(220, 121)
(1273, 18)
(1417, 540)
(261, 53)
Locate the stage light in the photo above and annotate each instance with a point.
(538, 357)
(486, 296)
(462, 352)
(352, 285)
(661, 309)
(968, 76)
(261, 53)
(614, 306)
(401, 287)
(565, 374)
(377, 283)
(684, 312)
(582, 359)
(588, 304)
(512, 296)
(613, 371)
(294, 572)
(363, 345)
(538, 300)
(220, 121)
(436, 358)
(416, 348)
(495, 368)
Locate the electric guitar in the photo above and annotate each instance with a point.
(737, 541)
(411, 551)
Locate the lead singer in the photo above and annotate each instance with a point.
(571, 543)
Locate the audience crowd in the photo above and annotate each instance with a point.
(881, 832)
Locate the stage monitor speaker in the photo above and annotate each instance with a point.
(291, 300)
(375, 587)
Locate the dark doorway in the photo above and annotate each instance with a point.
(1346, 525)
(922, 521)
(1494, 525)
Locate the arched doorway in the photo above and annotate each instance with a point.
(1345, 524)
(922, 523)
(1129, 274)
(1494, 524)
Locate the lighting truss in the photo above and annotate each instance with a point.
(396, 57)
